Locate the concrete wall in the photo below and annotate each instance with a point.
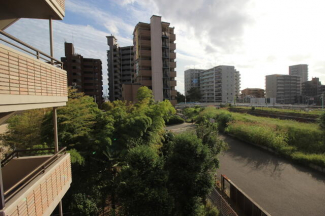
(156, 57)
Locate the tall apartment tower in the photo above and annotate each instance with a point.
(220, 84)
(299, 70)
(85, 74)
(192, 79)
(154, 60)
(285, 88)
(120, 67)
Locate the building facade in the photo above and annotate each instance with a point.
(312, 91)
(192, 79)
(220, 84)
(32, 183)
(154, 58)
(85, 74)
(253, 93)
(285, 88)
(300, 70)
(120, 67)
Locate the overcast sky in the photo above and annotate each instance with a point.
(258, 37)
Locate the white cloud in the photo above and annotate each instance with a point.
(257, 37)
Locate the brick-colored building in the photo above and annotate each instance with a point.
(252, 92)
(85, 74)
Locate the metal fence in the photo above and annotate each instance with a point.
(222, 205)
(242, 201)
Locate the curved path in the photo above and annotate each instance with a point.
(276, 184)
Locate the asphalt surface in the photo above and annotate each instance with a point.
(276, 184)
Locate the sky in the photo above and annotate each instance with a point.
(258, 37)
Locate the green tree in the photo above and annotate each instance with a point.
(143, 190)
(194, 94)
(191, 173)
(24, 129)
(180, 97)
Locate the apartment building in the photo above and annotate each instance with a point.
(154, 58)
(300, 70)
(29, 184)
(312, 91)
(252, 92)
(120, 67)
(85, 74)
(192, 79)
(285, 88)
(220, 84)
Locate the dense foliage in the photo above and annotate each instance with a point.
(303, 142)
(123, 160)
(194, 94)
(175, 119)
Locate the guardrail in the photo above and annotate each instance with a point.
(8, 194)
(221, 204)
(38, 54)
(16, 154)
(241, 200)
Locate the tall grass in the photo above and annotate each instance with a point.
(303, 142)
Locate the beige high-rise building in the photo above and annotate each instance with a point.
(299, 70)
(154, 58)
(285, 88)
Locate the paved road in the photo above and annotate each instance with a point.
(277, 185)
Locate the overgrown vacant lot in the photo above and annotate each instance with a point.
(296, 112)
(302, 142)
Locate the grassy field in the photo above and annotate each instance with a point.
(316, 112)
(302, 142)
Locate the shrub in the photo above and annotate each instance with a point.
(175, 120)
(321, 121)
(253, 108)
(223, 119)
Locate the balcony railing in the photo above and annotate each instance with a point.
(27, 82)
(35, 184)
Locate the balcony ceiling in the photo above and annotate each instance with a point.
(37, 9)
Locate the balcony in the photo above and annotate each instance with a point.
(146, 82)
(10, 11)
(145, 73)
(145, 53)
(173, 83)
(172, 37)
(173, 93)
(29, 83)
(172, 55)
(145, 43)
(145, 63)
(172, 46)
(144, 32)
(172, 64)
(172, 74)
(35, 185)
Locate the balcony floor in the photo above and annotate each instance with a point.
(18, 168)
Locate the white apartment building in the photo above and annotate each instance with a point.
(285, 88)
(300, 70)
(192, 78)
(220, 84)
